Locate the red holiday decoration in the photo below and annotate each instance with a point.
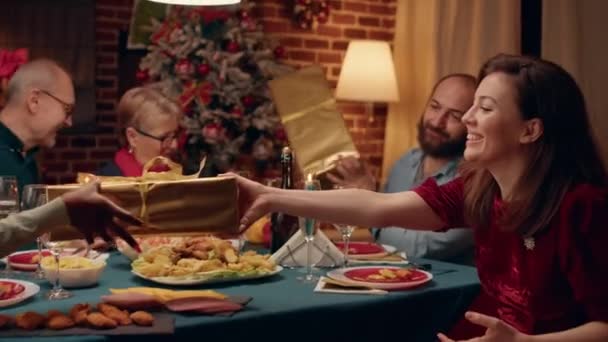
(238, 111)
(142, 76)
(233, 47)
(203, 69)
(248, 101)
(309, 13)
(279, 52)
(184, 68)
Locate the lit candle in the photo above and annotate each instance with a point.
(309, 224)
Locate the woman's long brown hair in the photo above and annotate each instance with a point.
(563, 156)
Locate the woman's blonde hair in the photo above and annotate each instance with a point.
(140, 103)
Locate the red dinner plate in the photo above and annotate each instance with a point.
(10, 289)
(26, 260)
(371, 276)
(361, 248)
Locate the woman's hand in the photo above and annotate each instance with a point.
(254, 200)
(496, 330)
(95, 215)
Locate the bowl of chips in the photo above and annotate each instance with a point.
(74, 271)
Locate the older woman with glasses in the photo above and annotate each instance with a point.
(149, 125)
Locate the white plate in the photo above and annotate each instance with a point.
(30, 290)
(338, 274)
(23, 266)
(203, 278)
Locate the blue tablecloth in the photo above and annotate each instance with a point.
(285, 309)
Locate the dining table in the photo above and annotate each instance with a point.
(285, 309)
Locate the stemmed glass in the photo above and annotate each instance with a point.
(57, 292)
(345, 230)
(9, 196)
(309, 227)
(34, 195)
(9, 204)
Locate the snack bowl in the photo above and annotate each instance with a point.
(74, 271)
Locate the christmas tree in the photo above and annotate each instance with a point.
(216, 64)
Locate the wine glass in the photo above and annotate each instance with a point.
(345, 230)
(57, 292)
(308, 227)
(9, 196)
(34, 195)
(9, 204)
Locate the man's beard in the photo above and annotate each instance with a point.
(451, 148)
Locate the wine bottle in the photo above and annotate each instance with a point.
(283, 226)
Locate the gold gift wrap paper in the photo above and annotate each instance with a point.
(199, 205)
(315, 128)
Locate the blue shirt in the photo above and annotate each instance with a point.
(455, 245)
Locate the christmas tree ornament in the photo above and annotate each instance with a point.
(203, 69)
(184, 69)
(262, 149)
(233, 47)
(213, 132)
(142, 76)
(237, 111)
(248, 101)
(280, 134)
(279, 52)
(310, 13)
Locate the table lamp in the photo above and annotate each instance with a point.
(368, 74)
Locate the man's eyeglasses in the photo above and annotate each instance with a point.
(67, 107)
(166, 139)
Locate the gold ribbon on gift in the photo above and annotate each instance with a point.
(315, 128)
(142, 183)
(169, 202)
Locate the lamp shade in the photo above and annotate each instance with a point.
(198, 2)
(368, 73)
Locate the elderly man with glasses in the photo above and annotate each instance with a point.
(40, 99)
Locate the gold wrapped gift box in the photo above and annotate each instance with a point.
(168, 202)
(315, 128)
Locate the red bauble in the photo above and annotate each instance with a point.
(280, 134)
(183, 68)
(323, 16)
(203, 69)
(142, 76)
(233, 47)
(248, 101)
(238, 111)
(279, 52)
(243, 14)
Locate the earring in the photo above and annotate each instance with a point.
(130, 149)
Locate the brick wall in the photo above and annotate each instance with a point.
(326, 45)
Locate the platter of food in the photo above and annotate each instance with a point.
(84, 319)
(201, 260)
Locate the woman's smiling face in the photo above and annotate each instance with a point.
(495, 126)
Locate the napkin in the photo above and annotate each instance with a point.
(328, 285)
(294, 254)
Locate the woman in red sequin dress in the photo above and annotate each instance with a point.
(532, 187)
